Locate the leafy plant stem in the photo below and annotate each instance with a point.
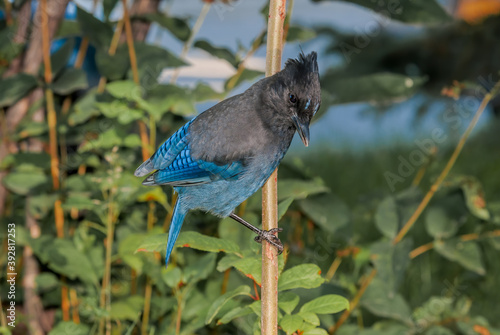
(270, 273)
(106, 281)
(74, 305)
(241, 67)
(225, 281)
(179, 314)
(458, 149)
(354, 302)
(421, 172)
(135, 74)
(111, 51)
(465, 238)
(187, 45)
(147, 306)
(333, 268)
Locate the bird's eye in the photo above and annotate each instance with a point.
(293, 98)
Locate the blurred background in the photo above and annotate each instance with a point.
(90, 88)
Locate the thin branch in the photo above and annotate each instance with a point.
(333, 268)
(143, 133)
(465, 238)
(270, 273)
(488, 97)
(196, 28)
(354, 302)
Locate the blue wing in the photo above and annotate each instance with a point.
(176, 167)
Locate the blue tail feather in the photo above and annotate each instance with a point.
(175, 228)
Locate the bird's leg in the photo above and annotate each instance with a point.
(267, 235)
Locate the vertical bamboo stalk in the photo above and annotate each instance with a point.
(145, 154)
(269, 291)
(54, 158)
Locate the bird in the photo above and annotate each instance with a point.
(225, 154)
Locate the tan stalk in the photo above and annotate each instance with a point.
(270, 273)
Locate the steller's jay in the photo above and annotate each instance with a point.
(225, 154)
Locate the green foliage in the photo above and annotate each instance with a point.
(333, 206)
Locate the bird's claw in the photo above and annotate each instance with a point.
(268, 235)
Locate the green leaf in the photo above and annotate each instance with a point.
(15, 87)
(106, 140)
(68, 327)
(474, 197)
(69, 81)
(379, 87)
(299, 189)
(68, 28)
(438, 223)
(172, 277)
(200, 269)
(381, 301)
(25, 179)
(428, 11)
(151, 61)
(46, 281)
(84, 108)
(63, 257)
(439, 330)
(178, 27)
(60, 58)
(204, 92)
(154, 194)
(129, 308)
(235, 313)
(291, 323)
(316, 331)
(310, 317)
(468, 254)
(190, 239)
(124, 89)
(163, 98)
(41, 205)
(391, 261)
(326, 210)
(113, 67)
(108, 6)
(223, 299)
(36, 159)
(283, 207)
(387, 217)
(246, 75)
(80, 201)
(218, 52)
(327, 304)
(287, 301)
(120, 110)
(251, 267)
(299, 34)
(98, 32)
(304, 275)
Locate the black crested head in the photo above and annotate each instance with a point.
(295, 94)
(304, 63)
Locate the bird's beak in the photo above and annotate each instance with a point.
(302, 129)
